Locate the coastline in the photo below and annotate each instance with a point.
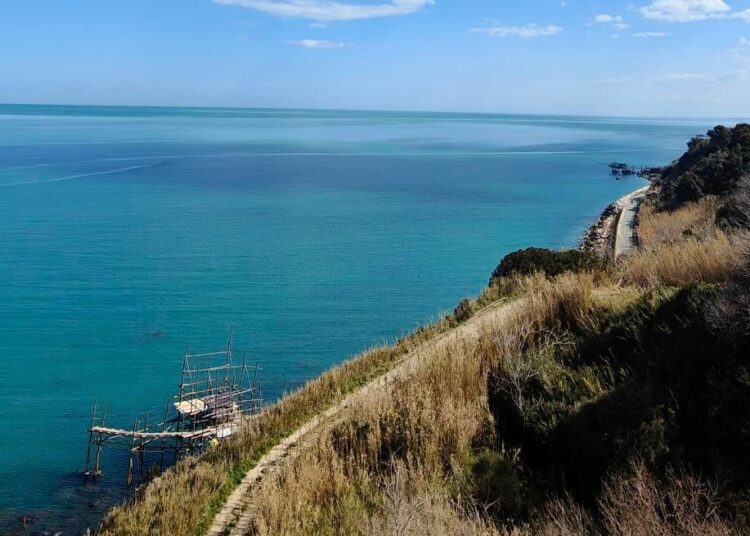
(230, 511)
(601, 237)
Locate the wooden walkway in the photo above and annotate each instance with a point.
(168, 434)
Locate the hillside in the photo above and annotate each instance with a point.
(574, 396)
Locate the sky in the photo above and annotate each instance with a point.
(656, 58)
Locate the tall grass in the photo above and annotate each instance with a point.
(396, 462)
(681, 247)
(184, 500)
(658, 228)
(634, 504)
(692, 261)
(386, 466)
(423, 429)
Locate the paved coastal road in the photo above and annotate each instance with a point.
(625, 238)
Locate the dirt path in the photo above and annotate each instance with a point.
(625, 237)
(235, 518)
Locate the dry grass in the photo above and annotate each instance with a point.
(377, 469)
(555, 304)
(711, 260)
(659, 228)
(396, 462)
(184, 500)
(634, 504)
(681, 247)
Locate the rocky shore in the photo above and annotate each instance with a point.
(600, 238)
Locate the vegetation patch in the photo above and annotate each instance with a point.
(552, 263)
(712, 165)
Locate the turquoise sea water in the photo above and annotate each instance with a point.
(127, 233)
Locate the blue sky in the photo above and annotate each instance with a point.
(632, 57)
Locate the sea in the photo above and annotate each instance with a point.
(130, 234)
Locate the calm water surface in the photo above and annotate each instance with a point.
(128, 233)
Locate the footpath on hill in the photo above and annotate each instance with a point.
(235, 517)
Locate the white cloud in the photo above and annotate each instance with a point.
(328, 10)
(316, 43)
(648, 35)
(689, 10)
(607, 19)
(706, 81)
(524, 32)
(615, 20)
(690, 77)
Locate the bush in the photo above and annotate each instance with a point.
(735, 212)
(498, 485)
(712, 165)
(464, 310)
(689, 188)
(552, 263)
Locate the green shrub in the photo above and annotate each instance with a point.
(735, 211)
(552, 263)
(464, 310)
(712, 165)
(498, 485)
(689, 188)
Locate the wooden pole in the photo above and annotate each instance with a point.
(91, 438)
(243, 381)
(129, 480)
(163, 429)
(182, 374)
(142, 449)
(97, 470)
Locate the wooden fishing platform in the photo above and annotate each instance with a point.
(215, 398)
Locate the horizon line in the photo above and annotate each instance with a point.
(374, 110)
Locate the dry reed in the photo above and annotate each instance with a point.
(658, 228)
(711, 260)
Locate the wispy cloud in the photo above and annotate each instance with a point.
(316, 43)
(741, 53)
(607, 19)
(702, 80)
(614, 20)
(327, 10)
(649, 35)
(691, 10)
(524, 32)
(689, 77)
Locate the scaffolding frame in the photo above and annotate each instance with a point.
(215, 397)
